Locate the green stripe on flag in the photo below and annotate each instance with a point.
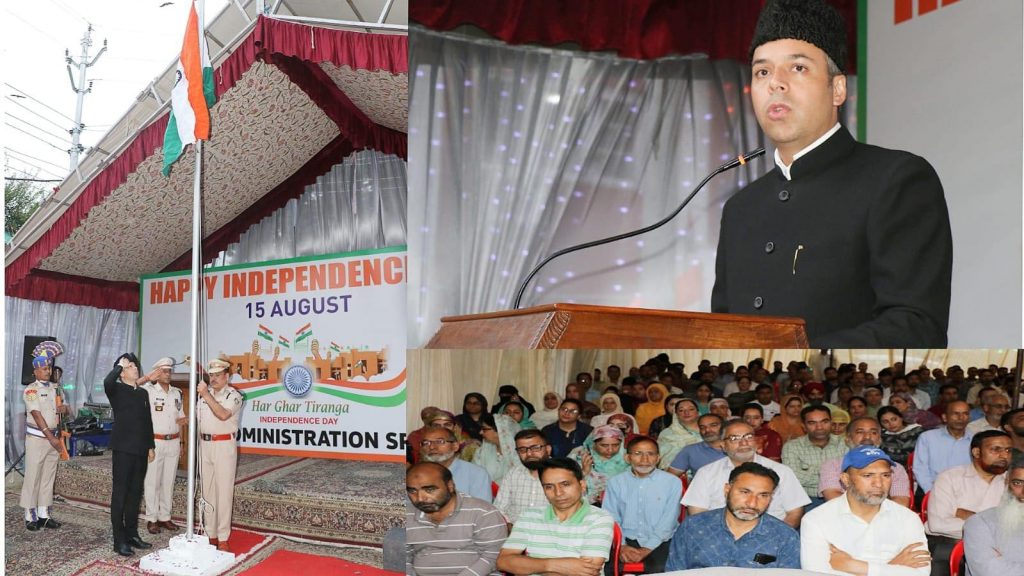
(304, 335)
(379, 401)
(172, 145)
(265, 336)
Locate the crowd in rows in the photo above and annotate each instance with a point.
(794, 469)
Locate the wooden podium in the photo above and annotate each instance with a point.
(583, 326)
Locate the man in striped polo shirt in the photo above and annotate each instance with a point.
(448, 533)
(569, 536)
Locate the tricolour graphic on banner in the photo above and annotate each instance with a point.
(317, 346)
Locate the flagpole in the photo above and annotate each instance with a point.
(196, 288)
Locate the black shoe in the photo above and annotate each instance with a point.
(123, 549)
(136, 542)
(31, 525)
(49, 523)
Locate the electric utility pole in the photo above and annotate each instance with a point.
(81, 89)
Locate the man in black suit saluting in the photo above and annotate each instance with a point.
(133, 448)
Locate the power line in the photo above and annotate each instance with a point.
(40, 102)
(27, 163)
(69, 10)
(29, 179)
(8, 124)
(34, 112)
(23, 121)
(34, 27)
(11, 151)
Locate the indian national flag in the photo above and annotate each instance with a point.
(265, 333)
(284, 341)
(192, 95)
(303, 333)
(335, 347)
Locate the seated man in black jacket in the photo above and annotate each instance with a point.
(133, 448)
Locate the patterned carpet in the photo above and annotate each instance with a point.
(331, 500)
(82, 547)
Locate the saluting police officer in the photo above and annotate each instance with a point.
(42, 446)
(219, 407)
(168, 414)
(133, 447)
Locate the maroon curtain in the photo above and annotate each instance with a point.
(641, 29)
(78, 290)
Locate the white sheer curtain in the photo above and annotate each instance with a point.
(92, 337)
(360, 204)
(519, 151)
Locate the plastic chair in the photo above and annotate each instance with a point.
(494, 489)
(924, 508)
(910, 477)
(955, 558)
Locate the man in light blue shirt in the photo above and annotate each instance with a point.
(943, 448)
(691, 458)
(439, 445)
(644, 501)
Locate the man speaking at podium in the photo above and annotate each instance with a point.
(853, 238)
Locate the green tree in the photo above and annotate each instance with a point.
(20, 200)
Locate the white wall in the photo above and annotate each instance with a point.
(947, 86)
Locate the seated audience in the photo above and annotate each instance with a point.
(993, 407)
(962, 491)
(644, 501)
(508, 393)
(695, 456)
(441, 446)
(705, 492)
(898, 438)
(549, 411)
(993, 537)
(764, 395)
(943, 448)
(568, 536)
(448, 533)
(741, 534)
(666, 419)
(519, 413)
(911, 415)
(863, 431)
(720, 406)
(1013, 424)
(682, 433)
(568, 432)
(769, 443)
(610, 403)
(840, 420)
(601, 457)
(805, 455)
(497, 452)
(473, 406)
(703, 393)
(520, 489)
(788, 423)
(652, 408)
(863, 532)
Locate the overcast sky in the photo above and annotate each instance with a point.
(143, 39)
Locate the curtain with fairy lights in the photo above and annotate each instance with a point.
(518, 151)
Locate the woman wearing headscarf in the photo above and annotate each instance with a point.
(548, 414)
(604, 452)
(654, 407)
(898, 437)
(911, 415)
(497, 453)
(665, 420)
(681, 433)
(788, 423)
(518, 412)
(474, 405)
(625, 423)
(610, 404)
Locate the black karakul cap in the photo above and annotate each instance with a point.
(812, 21)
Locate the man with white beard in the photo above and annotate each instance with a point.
(993, 537)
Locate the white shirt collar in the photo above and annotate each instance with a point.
(785, 169)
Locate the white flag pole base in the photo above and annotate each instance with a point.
(185, 557)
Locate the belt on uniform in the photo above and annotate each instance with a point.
(216, 437)
(33, 431)
(165, 436)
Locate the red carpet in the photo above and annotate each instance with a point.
(287, 562)
(242, 541)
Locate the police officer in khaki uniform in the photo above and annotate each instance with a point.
(42, 446)
(219, 407)
(167, 410)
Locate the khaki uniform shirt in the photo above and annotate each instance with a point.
(165, 408)
(41, 396)
(231, 400)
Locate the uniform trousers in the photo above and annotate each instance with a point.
(217, 464)
(40, 472)
(129, 476)
(160, 480)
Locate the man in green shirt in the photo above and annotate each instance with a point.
(806, 454)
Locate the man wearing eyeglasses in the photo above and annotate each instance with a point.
(440, 445)
(645, 502)
(520, 488)
(568, 432)
(963, 491)
(740, 445)
(992, 538)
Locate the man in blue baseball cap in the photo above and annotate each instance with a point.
(863, 531)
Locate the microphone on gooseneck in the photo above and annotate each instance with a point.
(737, 161)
